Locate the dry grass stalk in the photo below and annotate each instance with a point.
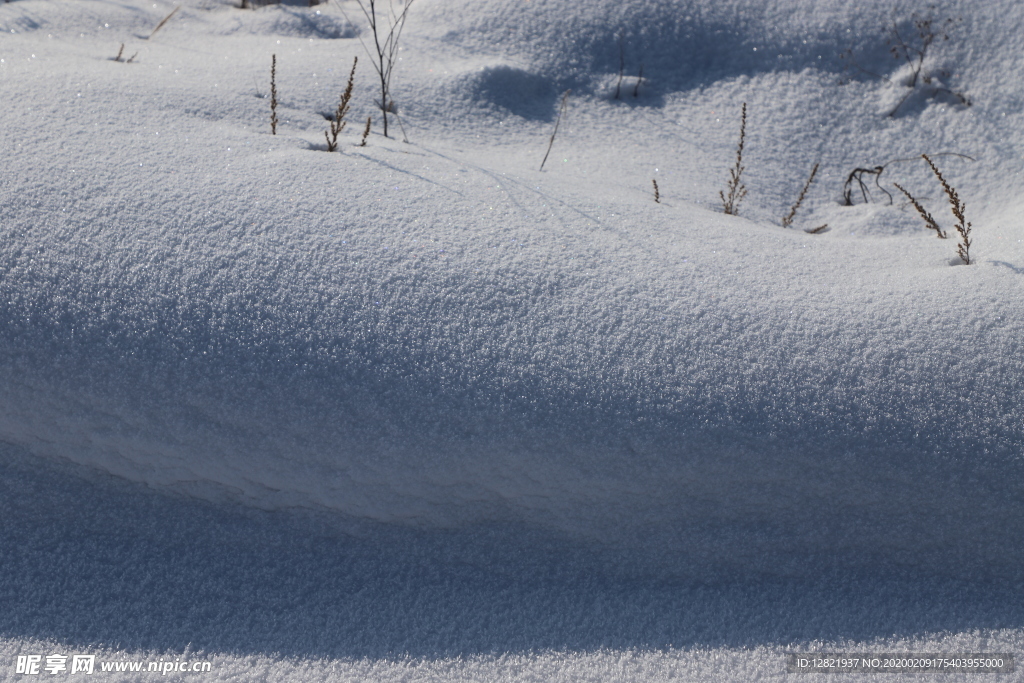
(788, 220)
(165, 20)
(657, 195)
(120, 52)
(737, 191)
(561, 111)
(273, 95)
(338, 124)
(366, 131)
(929, 222)
(963, 227)
(405, 137)
(818, 230)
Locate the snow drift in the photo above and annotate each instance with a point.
(438, 334)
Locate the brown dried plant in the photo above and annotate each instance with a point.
(903, 46)
(963, 227)
(737, 191)
(273, 95)
(929, 221)
(338, 123)
(857, 175)
(366, 131)
(912, 47)
(657, 195)
(788, 219)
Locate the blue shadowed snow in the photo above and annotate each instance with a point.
(424, 398)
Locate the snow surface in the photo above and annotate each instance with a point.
(419, 410)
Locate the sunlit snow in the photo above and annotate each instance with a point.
(418, 410)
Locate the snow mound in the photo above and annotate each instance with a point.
(291, 22)
(502, 89)
(87, 18)
(437, 333)
(679, 44)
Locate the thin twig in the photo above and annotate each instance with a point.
(405, 137)
(561, 111)
(857, 175)
(385, 52)
(166, 19)
(622, 67)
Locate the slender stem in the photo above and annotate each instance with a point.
(561, 110)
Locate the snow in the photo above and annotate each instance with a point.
(421, 411)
